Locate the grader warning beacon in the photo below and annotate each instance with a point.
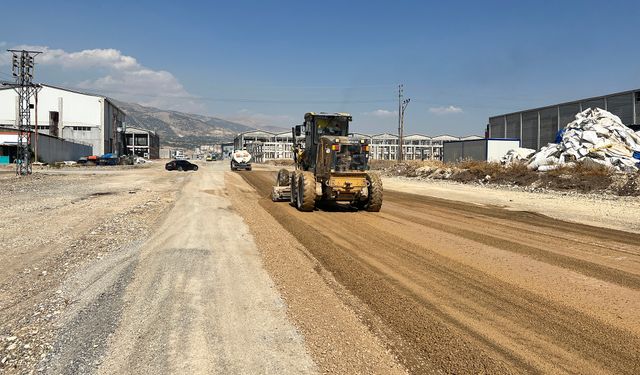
(330, 166)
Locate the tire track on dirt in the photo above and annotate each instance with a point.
(448, 316)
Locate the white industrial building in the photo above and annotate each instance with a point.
(75, 116)
(264, 145)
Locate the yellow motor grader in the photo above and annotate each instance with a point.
(329, 166)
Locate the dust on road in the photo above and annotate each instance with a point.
(470, 289)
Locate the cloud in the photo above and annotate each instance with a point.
(445, 110)
(110, 72)
(255, 119)
(382, 113)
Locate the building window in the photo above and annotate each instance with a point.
(141, 140)
(82, 128)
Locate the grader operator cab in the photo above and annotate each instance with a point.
(329, 166)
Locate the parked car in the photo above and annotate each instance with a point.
(180, 165)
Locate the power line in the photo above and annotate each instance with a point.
(240, 100)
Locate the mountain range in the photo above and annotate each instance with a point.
(184, 130)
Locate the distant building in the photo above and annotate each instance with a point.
(142, 142)
(537, 127)
(483, 149)
(264, 145)
(69, 114)
(166, 153)
(227, 149)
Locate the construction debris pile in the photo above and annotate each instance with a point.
(596, 136)
(518, 155)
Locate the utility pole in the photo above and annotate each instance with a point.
(23, 65)
(402, 106)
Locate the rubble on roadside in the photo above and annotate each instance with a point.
(518, 155)
(595, 137)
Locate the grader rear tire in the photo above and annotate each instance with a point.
(374, 202)
(306, 191)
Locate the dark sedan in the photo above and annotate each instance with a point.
(180, 165)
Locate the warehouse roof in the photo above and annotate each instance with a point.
(110, 100)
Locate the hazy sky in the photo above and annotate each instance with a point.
(269, 62)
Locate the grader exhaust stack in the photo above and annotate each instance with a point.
(329, 166)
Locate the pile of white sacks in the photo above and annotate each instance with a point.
(596, 136)
(518, 155)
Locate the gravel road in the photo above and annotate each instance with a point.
(55, 227)
(200, 301)
(136, 270)
(466, 288)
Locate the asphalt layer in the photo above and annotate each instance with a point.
(463, 288)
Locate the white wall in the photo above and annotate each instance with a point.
(496, 149)
(82, 110)
(75, 109)
(491, 150)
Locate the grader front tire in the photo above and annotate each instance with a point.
(306, 191)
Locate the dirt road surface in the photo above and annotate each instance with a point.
(192, 298)
(139, 271)
(57, 224)
(464, 288)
